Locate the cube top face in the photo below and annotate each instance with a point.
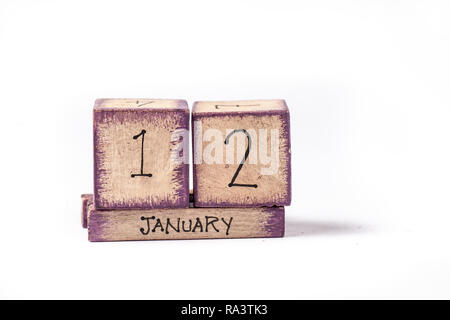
(140, 156)
(140, 104)
(242, 158)
(201, 107)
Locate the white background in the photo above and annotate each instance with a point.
(367, 83)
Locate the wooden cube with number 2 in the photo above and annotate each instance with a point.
(242, 153)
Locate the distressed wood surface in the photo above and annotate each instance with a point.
(86, 200)
(141, 104)
(133, 151)
(185, 223)
(239, 106)
(263, 120)
(90, 208)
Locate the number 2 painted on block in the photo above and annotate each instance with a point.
(247, 152)
(142, 174)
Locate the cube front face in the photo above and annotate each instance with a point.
(186, 223)
(138, 162)
(242, 155)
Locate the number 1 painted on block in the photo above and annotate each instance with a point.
(142, 174)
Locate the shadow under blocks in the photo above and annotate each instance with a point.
(296, 228)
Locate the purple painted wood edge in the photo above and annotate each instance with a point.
(286, 123)
(181, 173)
(86, 200)
(285, 119)
(275, 225)
(95, 228)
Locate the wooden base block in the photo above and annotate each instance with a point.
(186, 223)
(86, 200)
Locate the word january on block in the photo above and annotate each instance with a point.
(242, 153)
(186, 223)
(141, 154)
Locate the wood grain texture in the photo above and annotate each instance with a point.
(86, 200)
(141, 104)
(117, 155)
(211, 180)
(90, 208)
(239, 106)
(187, 223)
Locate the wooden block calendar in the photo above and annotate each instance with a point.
(241, 165)
(242, 153)
(141, 154)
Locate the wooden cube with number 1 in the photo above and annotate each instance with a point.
(242, 153)
(141, 154)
